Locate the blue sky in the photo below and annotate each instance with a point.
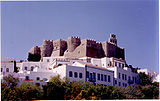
(135, 23)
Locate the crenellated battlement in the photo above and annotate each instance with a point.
(45, 42)
(75, 47)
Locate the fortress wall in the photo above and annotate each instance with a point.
(59, 47)
(46, 48)
(76, 48)
(72, 43)
(80, 51)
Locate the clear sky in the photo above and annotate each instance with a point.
(135, 23)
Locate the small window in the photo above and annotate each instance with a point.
(47, 60)
(38, 78)
(129, 78)
(98, 76)
(119, 83)
(119, 75)
(110, 63)
(122, 76)
(70, 73)
(109, 78)
(1, 69)
(101, 77)
(125, 77)
(133, 79)
(80, 75)
(115, 63)
(105, 78)
(87, 74)
(7, 69)
(115, 81)
(123, 84)
(119, 64)
(75, 74)
(25, 68)
(27, 77)
(122, 65)
(32, 68)
(90, 76)
(94, 76)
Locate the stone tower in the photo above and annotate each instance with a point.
(113, 39)
(72, 43)
(59, 47)
(46, 48)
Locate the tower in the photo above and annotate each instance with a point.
(112, 39)
(72, 43)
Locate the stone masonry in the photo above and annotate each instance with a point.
(74, 47)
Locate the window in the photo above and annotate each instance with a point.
(87, 74)
(105, 78)
(94, 76)
(90, 76)
(38, 78)
(122, 76)
(129, 78)
(1, 69)
(119, 83)
(27, 77)
(25, 68)
(119, 64)
(47, 60)
(133, 79)
(32, 68)
(80, 75)
(110, 63)
(98, 76)
(70, 73)
(75, 74)
(119, 75)
(125, 77)
(101, 77)
(122, 65)
(115, 63)
(109, 78)
(115, 81)
(7, 69)
(125, 85)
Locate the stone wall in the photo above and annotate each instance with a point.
(74, 47)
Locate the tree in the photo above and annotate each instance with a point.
(9, 89)
(144, 79)
(54, 89)
(29, 91)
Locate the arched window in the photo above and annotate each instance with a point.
(80, 75)
(75, 74)
(38, 78)
(70, 73)
(32, 68)
(25, 68)
(7, 69)
(27, 77)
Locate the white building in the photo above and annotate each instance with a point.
(105, 71)
(7, 66)
(154, 75)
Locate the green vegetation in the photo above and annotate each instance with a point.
(62, 89)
